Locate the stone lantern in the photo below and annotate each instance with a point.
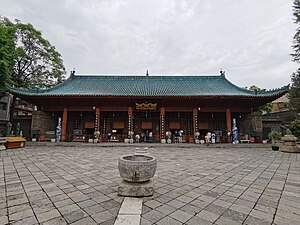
(289, 143)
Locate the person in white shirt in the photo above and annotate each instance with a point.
(137, 138)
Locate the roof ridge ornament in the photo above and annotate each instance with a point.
(72, 72)
(222, 72)
(147, 73)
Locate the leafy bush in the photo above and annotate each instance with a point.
(295, 128)
(274, 136)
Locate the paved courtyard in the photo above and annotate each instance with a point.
(193, 185)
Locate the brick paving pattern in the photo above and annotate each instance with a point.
(193, 185)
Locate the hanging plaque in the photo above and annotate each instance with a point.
(146, 106)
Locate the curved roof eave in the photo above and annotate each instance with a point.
(141, 86)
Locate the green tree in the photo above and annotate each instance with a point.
(264, 109)
(7, 46)
(294, 127)
(35, 62)
(294, 94)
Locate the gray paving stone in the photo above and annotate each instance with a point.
(110, 204)
(3, 220)
(168, 221)
(262, 215)
(181, 216)
(209, 216)
(63, 203)
(153, 216)
(234, 215)
(233, 178)
(197, 221)
(153, 204)
(94, 209)
(215, 209)
(21, 215)
(55, 221)
(131, 206)
(74, 216)
(28, 221)
(103, 216)
(225, 221)
(145, 209)
(191, 209)
(127, 220)
(176, 203)
(48, 215)
(18, 208)
(43, 208)
(68, 208)
(145, 222)
(255, 221)
(108, 222)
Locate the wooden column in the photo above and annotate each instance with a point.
(162, 123)
(64, 125)
(228, 120)
(195, 121)
(97, 120)
(130, 122)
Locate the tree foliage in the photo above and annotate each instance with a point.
(264, 109)
(296, 42)
(33, 61)
(295, 127)
(295, 87)
(7, 46)
(37, 63)
(294, 93)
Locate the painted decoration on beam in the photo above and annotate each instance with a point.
(146, 106)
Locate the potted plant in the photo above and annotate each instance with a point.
(274, 136)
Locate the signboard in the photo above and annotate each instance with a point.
(146, 106)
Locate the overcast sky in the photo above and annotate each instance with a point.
(249, 39)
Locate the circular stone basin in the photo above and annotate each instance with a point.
(137, 168)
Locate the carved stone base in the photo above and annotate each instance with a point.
(291, 149)
(134, 189)
(289, 143)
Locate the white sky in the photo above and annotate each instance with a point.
(249, 39)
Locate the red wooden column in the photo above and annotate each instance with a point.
(228, 120)
(162, 123)
(130, 122)
(64, 124)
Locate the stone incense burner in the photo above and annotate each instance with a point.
(137, 171)
(137, 168)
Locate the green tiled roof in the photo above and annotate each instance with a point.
(148, 86)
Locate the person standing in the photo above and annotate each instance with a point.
(137, 138)
(150, 136)
(147, 136)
